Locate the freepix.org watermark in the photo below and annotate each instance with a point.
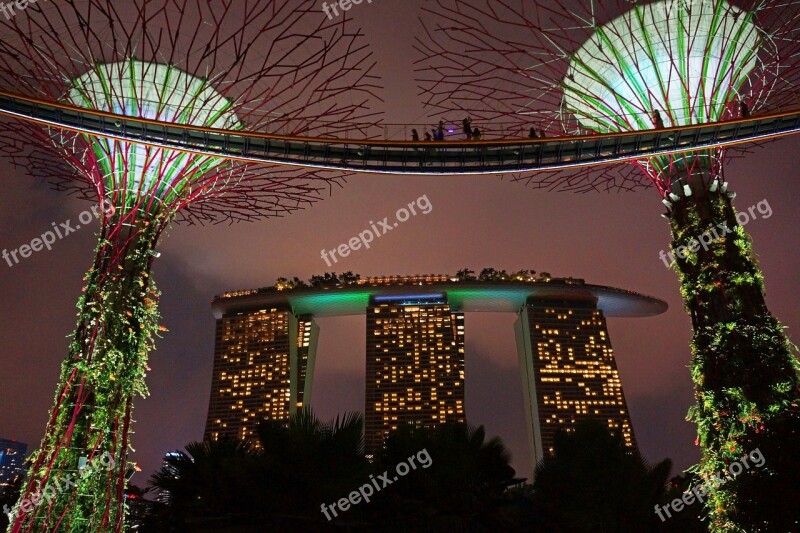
(59, 231)
(60, 484)
(8, 8)
(345, 5)
(368, 489)
(715, 232)
(382, 228)
(700, 490)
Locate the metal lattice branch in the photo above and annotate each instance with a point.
(287, 70)
(513, 64)
(258, 65)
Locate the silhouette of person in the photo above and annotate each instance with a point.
(657, 120)
(428, 136)
(440, 131)
(414, 135)
(467, 123)
(744, 109)
(476, 134)
(532, 134)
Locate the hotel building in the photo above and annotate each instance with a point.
(415, 365)
(568, 371)
(263, 369)
(266, 344)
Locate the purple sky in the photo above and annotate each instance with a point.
(475, 222)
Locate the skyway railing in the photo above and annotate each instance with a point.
(403, 157)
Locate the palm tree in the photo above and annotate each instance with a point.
(310, 463)
(463, 486)
(594, 483)
(212, 481)
(228, 485)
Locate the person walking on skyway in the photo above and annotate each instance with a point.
(532, 134)
(467, 124)
(744, 109)
(414, 135)
(658, 122)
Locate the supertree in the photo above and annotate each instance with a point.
(256, 65)
(600, 67)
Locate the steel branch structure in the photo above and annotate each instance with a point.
(238, 65)
(616, 66)
(446, 158)
(577, 67)
(268, 66)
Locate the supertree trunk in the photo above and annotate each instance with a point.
(272, 66)
(88, 432)
(743, 366)
(623, 66)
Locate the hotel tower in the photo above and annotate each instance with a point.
(266, 345)
(568, 370)
(415, 365)
(263, 369)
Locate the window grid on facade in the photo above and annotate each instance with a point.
(415, 368)
(251, 373)
(575, 372)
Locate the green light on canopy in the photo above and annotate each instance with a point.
(686, 58)
(157, 92)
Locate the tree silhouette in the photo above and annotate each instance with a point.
(212, 481)
(462, 488)
(279, 484)
(349, 277)
(310, 463)
(594, 483)
(465, 274)
(690, 518)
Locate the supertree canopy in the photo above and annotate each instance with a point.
(256, 65)
(157, 92)
(687, 60)
(585, 67)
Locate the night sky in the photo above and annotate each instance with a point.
(607, 239)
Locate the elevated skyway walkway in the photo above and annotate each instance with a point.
(403, 157)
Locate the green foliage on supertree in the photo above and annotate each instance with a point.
(106, 367)
(744, 367)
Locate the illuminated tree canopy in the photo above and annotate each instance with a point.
(284, 71)
(687, 59)
(255, 65)
(577, 67)
(586, 67)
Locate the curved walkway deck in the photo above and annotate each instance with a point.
(402, 157)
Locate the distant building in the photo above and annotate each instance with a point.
(568, 370)
(164, 496)
(12, 461)
(263, 365)
(266, 344)
(415, 365)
